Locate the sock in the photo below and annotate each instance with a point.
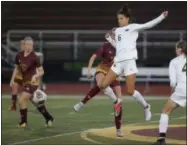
(163, 125)
(140, 99)
(23, 113)
(109, 92)
(92, 92)
(14, 100)
(118, 119)
(42, 109)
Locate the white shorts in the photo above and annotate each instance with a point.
(127, 67)
(179, 98)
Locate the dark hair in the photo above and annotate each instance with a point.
(125, 10)
(182, 45)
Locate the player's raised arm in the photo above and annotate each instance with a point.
(172, 75)
(150, 24)
(110, 37)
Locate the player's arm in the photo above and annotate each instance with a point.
(150, 24)
(110, 37)
(90, 63)
(172, 76)
(39, 71)
(15, 72)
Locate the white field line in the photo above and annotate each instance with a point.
(71, 133)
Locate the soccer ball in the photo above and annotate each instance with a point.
(39, 97)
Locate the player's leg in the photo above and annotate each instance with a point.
(130, 73)
(41, 107)
(15, 90)
(178, 98)
(23, 104)
(118, 119)
(169, 107)
(108, 90)
(106, 81)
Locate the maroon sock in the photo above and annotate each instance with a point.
(92, 92)
(14, 100)
(42, 109)
(23, 113)
(118, 119)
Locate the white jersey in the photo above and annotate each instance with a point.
(177, 73)
(126, 37)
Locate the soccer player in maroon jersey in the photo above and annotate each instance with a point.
(29, 66)
(106, 52)
(16, 83)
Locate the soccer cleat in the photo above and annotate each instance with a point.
(22, 125)
(12, 108)
(117, 107)
(119, 133)
(49, 122)
(160, 142)
(78, 106)
(148, 114)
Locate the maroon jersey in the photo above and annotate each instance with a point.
(107, 53)
(27, 66)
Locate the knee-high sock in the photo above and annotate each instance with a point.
(140, 98)
(23, 114)
(163, 125)
(118, 119)
(110, 93)
(14, 100)
(42, 109)
(91, 93)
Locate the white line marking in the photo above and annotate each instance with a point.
(42, 138)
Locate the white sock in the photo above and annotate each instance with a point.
(109, 92)
(163, 123)
(139, 98)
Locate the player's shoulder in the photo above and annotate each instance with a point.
(19, 54)
(127, 28)
(106, 45)
(174, 60)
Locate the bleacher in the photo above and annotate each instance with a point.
(99, 15)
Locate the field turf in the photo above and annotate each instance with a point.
(70, 127)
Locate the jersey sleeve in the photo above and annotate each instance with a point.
(99, 52)
(38, 64)
(172, 74)
(150, 24)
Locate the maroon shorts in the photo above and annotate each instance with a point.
(18, 81)
(115, 83)
(29, 88)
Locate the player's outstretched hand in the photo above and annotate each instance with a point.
(165, 13)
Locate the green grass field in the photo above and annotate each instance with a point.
(70, 127)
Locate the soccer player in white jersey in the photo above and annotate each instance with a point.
(125, 60)
(177, 75)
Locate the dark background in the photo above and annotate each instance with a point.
(59, 64)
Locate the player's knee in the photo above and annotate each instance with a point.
(167, 111)
(14, 90)
(130, 92)
(102, 86)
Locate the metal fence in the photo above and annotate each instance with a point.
(88, 39)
